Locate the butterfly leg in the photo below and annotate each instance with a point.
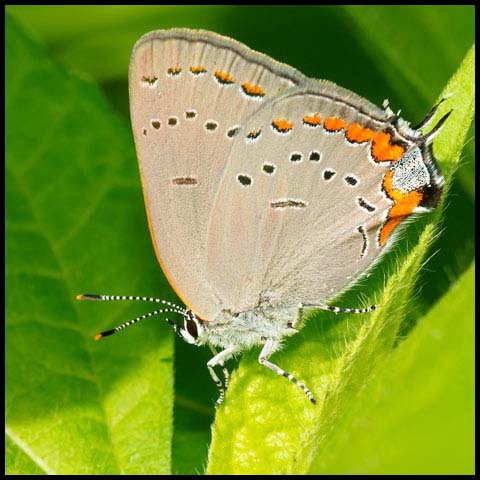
(220, 359)
(226, 375)
(269, 347)
(329, 308)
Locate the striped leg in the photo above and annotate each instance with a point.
(226, 375)
(329, 308)
(219, 385)
(267, 350)
(219, 359)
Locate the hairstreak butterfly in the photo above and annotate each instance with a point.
(266, 191)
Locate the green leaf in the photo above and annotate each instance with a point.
(418, 415)
(280, 432)
(74, 211)
(423, 23)
(460, 99)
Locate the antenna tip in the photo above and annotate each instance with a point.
(98, 336)
(89, 296)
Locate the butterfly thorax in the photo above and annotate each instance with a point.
(248, 328)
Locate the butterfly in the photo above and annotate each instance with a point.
(266, 191)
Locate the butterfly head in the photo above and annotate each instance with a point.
(192, 329)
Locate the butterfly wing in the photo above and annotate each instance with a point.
(190, 94)
(301, 210)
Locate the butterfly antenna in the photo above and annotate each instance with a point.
(105, 298)
(106, 333)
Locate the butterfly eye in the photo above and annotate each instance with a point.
(191, 327)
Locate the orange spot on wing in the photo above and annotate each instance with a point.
(383, 150)
(253, 90)
(358, 134)
(403, 205)
(282, 125)
(313, 120)
(150, 80)
(198, 70)
(388, 228)
(223, 77)
(174, 70)
(334, 124)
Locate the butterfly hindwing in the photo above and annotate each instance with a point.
(302, 205)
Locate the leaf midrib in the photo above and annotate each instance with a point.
(28, 451)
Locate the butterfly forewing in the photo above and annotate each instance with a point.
(190, 96)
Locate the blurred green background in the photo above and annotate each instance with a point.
(74, 209)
